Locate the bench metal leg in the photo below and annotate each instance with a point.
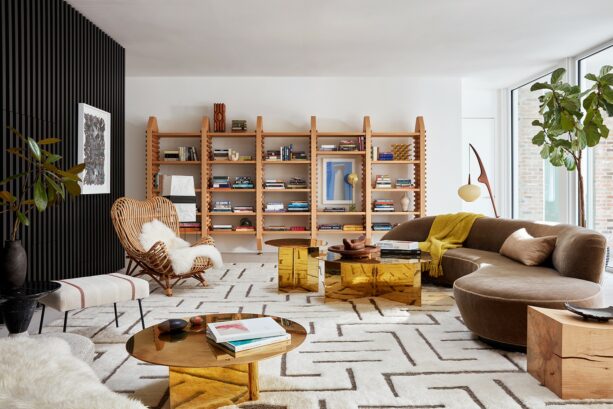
(42, 318)
(142, 318)
(65, 320)
(116, 319)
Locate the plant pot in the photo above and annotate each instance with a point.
(13, 265)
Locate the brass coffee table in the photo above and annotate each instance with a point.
(396, 279)
(298, 268)
(202, 375)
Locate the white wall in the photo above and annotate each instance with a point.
(287, 104)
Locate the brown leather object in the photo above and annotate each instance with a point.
(493, 292)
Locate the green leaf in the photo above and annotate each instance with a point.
(51, 196)
(569, 162)
(545, 152)
(59, 189)
(52, 157)
(557, 75)
(49, 141)
(76, 169)
(606, 79)
(567, 122)
(73, 187)
(34, 148)
(40, 195)
(540, 85)
(605, 69)
(591, 77)
(22, 218)
(7, 196)
(539, 138)
(592, 134)
(17, 176)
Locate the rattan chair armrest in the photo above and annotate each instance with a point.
(205, 240)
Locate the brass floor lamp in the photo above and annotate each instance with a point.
(470, 192)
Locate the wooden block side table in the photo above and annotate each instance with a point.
(570, 356)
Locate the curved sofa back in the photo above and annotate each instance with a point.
(579, 252)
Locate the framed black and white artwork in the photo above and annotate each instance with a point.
(94, 149)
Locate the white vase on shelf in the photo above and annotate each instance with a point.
(405, 202)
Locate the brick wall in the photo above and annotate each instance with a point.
(603, 185)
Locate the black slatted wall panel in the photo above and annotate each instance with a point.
(52, 59)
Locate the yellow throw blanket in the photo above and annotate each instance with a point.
(448, 231)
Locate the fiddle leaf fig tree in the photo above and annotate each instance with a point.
(41, 185)
(573, 121)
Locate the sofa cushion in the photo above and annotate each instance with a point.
(527, 249)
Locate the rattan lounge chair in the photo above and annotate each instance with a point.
(128, 216)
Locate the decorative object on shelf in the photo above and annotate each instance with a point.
(400, 151)
(470, 192)
(355, 249)
(352, 179)
(405, 202)
(336, 188)
(39, 185)
(172, 325)
(233, 155)
(219, 117)
(596, 314)
(245, 222)
(239, 125)
(566, 130)
(94, 149)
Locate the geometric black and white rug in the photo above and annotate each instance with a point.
(364, 354)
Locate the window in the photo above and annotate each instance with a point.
(538, 187)
(599, 175)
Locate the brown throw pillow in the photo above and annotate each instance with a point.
(531, 251)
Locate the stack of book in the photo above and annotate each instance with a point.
(277, 228)
(274, 207)
(274, 184)
(298, 206)
(286, 152)
(242, 209)
(171, 156)
(386, 156)
(187, 153)
(383, 226)
(297, 228)
(222, 206)
(335, 209)
(362, 143)
(239, 125)
(222, 227)
(347, 145)
(220, 154)
(220, 182)
(244, 228)
(331, 226)
(327, 148)
(273, 155)
(243, 182)
(383, 205)
(296, 183)
(403, 183)
(353, 227)
(190, 226)
(299, 155)
(383, 182)
(399, 248)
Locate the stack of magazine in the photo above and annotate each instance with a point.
(399, 248)
(252, 335)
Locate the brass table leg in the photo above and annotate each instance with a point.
(254, 385)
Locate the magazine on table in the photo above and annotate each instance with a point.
(249, 344)
(247, 329)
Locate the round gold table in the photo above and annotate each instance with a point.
(298, 269)
(396, 279)
(202, 375)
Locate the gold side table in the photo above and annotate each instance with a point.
(396, 279)
(201, 375)
(298, 267)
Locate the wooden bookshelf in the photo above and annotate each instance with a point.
(367, 168)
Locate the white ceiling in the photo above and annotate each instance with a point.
(500, 42)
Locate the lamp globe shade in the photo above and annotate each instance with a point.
(469, 192)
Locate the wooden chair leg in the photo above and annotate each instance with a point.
(142, 317)
(65, 320)
(42, 318)
(167, 286)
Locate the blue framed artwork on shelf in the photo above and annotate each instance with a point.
(336, 187)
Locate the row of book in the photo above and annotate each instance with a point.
(230, 227)
(383, 205)
(285, 228)
(278, 184)
(293, 206)
(385, 182)
(285, 153)
(346, 145)
(182, 154)
(240, 182)
(340, 227)
(241, 337)
(227, 154)
(225, 206)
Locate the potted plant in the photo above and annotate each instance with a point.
(40, 185)
(567, 129)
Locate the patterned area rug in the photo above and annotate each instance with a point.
(364, 354)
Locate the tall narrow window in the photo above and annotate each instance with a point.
(538, 188)
(599, 183)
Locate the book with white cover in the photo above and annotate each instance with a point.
(247, 344)
(238, 330)
(398, 245)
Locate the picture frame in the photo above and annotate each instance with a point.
(336, 189)
(94, 149)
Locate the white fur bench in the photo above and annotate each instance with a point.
(79, 293)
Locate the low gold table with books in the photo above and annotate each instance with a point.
(397, 279)
(298, 268)
(203, 374)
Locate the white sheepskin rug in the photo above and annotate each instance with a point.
(181, 254)
(43, 374)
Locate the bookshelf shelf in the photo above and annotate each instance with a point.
(308, 139)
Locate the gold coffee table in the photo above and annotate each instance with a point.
(298, 268)
(202, 375)
(396, 279)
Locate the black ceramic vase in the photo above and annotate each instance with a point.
(13, 265)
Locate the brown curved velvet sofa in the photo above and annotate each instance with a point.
(493, 292)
